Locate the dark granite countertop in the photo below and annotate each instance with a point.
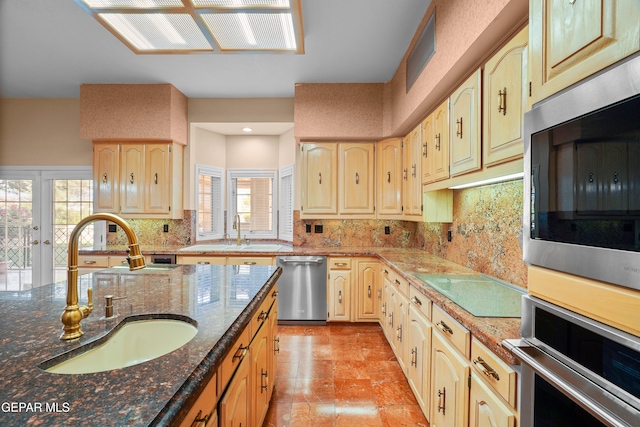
(158, 392)
(491, 331)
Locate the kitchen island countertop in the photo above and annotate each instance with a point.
(157, 392)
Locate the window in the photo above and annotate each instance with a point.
(251, 195)
(209, 195)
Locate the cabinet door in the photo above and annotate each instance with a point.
(385, 287)
(132, 178)
(401, 313)
(419, 355)
(106, 177)
(570, 40)
(235, 409)
(440, 142)
(464, 129)
(368, 290)
(319, 192)
(412, 164)
(157, 178)
(339, 301)
(274, 341)
(389, 170)
(505, 101)
(428, 150)
(356, 184)
(486, 409)
(260, 375)
(449, 392)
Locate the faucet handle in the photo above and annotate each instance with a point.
(90, 299)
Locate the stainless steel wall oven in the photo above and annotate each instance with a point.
(582, 178)
(575, 371)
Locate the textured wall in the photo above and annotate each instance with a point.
(133, 111)
(486, 232)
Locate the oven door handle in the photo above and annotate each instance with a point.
(569, 382)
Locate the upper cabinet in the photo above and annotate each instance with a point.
(435, 145)
(570, 40)
(138, 180)
(356, 166)
(464, 126)
(412, 175)
(505, 101)
(389, 179)
(338, 179)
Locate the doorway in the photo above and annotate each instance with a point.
(38, 211)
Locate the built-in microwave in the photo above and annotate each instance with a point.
(582, 178)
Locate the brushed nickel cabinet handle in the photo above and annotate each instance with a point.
(319, 177)
(389, 177)
(444, 327)
(442, 400)
(200, 421)
(90, 262)
(104, 178)
(416, 301)
(357, 178)
(276, 345)
(414, 356)
(339, 297)
(369, 292)
(155, 178)
(264, 374)
(438, 143)
(249, 263)
(486, 368)
(502, 101)
(459, 129)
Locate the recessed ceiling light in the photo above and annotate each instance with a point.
(247, 129)
(187, 26)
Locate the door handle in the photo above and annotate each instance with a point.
(35, 242)
(46, 242)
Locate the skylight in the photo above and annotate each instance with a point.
(191, 26)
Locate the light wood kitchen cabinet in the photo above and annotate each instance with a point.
(438, 206)
(412, 175)
(419, 351)
(319, 179)
(428, 150)
(106, 177)
(235, 406)
(389, 179)
(570, 40)
(356, 185)
(369, 291)
(401, 315)
(486, 409)
(449, 385)
(440, 142)
(339, 290)
(138, 180)
(505, 101)
(338, 180)
(464, 127)
(274, 341)
(205, 408)
(260, 374)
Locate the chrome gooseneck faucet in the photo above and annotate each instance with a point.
(74, 313)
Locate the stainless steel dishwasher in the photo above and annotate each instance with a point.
(302, 296)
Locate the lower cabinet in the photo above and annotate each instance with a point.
(368, 290)
(235, 406)
(339, 290)
(449, 385)
(238, 395)
(419, 353)
(486, 409)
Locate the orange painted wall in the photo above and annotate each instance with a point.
(467, 33)
(133, 111)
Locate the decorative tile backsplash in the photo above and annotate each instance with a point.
(182, 232)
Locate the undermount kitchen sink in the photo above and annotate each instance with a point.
(267, 247)
(130, 343)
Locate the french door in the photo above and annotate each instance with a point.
(38, 210)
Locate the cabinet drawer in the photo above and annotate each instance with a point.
(399, 283)
(420, 302)
(238, 351)
(457, 334)
(89, 261)
(194, 259)
(497, 373)
(205, 406)
(261, 315)
(250, 261)
(340, 264)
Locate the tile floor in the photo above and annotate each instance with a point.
(340, 375)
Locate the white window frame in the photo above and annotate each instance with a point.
(284, 172)
(231, 202)
(216, 173)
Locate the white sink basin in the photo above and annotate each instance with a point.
(136, 342)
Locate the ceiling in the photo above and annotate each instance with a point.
(49, 47)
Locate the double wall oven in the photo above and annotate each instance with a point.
(582, 217)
